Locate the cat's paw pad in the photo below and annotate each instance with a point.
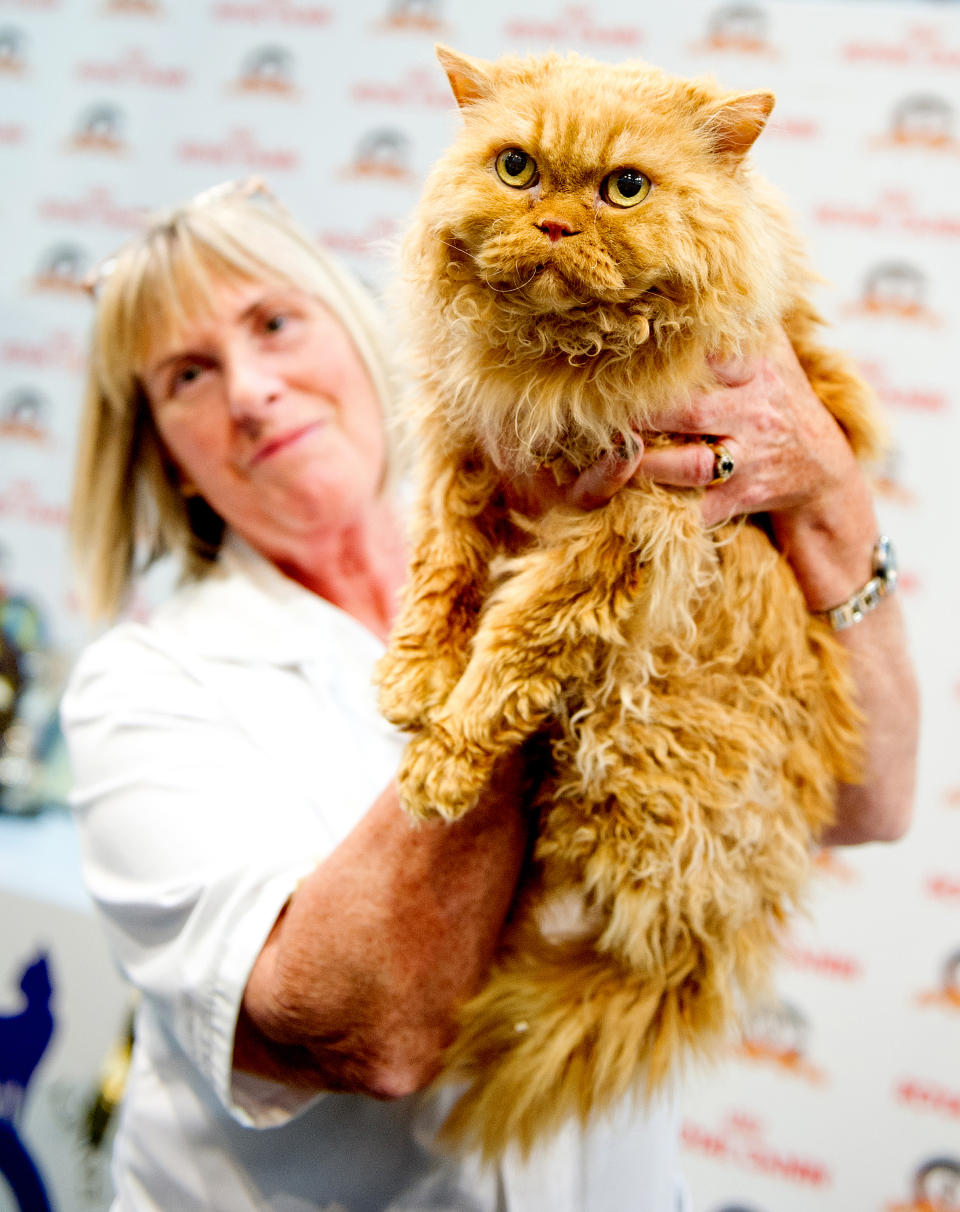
(439, 778)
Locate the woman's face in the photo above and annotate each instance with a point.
(269, 413)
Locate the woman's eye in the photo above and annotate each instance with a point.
(516, 168)
(275, 323)
(625, 187)
(184, 376)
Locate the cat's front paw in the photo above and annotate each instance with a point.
(411, 686)
(439, 776)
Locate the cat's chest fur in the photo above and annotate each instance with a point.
(564, 390)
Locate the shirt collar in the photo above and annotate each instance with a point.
(246, 609)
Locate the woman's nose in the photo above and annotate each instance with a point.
(252, 386)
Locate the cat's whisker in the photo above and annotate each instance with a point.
(458, 248)
(500, 290)
(509, 290)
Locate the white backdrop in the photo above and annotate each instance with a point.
(846, 1094)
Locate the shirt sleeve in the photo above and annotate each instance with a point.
(191, 844)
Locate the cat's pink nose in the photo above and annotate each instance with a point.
(554, 229)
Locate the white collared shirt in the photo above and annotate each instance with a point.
(220, 751)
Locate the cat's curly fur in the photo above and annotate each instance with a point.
(698, 716)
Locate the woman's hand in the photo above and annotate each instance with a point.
(791, 461)
(788, 451)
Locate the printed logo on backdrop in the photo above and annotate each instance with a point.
(371, 240)
(833, 965)
(135, 66)
(419, 88)
(133, 8)
(61, 271)
(22, 501)
(12, 59)
(740, 1141)
(947, 995)
(936, 1187)
(23, 415)
(894, 211)
(924, 1095)
(382, 154)
(737, 29)
(797, 127)
(925, 121)
(239, 149)
(266, 72)
(895, 290)
(289, 12)
(97, 207)
(59, 350)
(776, 1035)
(575, 25)
(943, 887)
(919, 46)
(24, 1037)
(413, 16)
(898, 395)
(99, 131)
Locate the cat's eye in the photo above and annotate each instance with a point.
(625, 187)
(516, 168)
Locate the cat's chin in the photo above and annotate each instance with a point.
(547, 290)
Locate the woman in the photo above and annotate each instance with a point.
(290, 931)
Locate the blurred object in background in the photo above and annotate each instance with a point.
(33, 764)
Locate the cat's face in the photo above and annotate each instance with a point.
(575, 182)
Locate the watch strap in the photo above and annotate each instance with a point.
(881, 585)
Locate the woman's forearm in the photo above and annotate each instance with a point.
(829, 545)
(363, 973)
(880, 806)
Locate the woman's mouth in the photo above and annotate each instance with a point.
(283, 441)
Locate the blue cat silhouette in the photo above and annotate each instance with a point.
(24, 1037)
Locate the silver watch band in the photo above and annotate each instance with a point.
(881, 585)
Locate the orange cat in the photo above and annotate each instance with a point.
(589, 239)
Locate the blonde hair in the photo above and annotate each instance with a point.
(128, 509)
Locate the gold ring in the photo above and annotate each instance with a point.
(723, 463)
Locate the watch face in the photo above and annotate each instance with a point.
(885, 561)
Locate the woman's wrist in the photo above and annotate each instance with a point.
(829, 543)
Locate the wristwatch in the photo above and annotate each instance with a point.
(880, 586)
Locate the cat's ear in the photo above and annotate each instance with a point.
(734, 125)
(469, 78)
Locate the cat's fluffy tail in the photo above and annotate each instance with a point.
(563, 1031)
